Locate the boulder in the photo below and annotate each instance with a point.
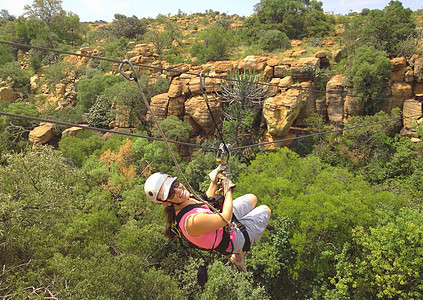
(175, 89)
(176, 107)
(280, 112)
(296, 43)
(286, 82)
(401, 91)
(310, 102)
(412, 111)
(7, 94)
(281, 71)
(289, 139)
(409, 75)
(268, 73)
(69, 98)
(142, 50)
(353, 105)
(42, 134)
(418, 88)
(211, 85)
(304, 68)
(273, 88)
(33, 81)
(72, 131)
(399, 65)
(335, 99)
(272, 62)
(123, 117)
(196, 109)
(320, 54)
(60, 89)
(158, 104)
(223, 66)
(253, 63)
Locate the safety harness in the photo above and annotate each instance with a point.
(226, 238)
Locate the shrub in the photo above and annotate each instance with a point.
(213, 44)
(369, 72)
(99, 113)
(272, 40)
(5, 55)
(90, 88)
(20, 77)
(78, 149)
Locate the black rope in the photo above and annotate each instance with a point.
(102, 130)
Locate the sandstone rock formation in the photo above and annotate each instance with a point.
(42, 134)
(280, 111)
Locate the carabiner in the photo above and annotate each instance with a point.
(222, 155)
(135, 75)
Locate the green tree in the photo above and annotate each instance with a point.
(212, 44)
(5, 56)
(383, 29)
(324, 204)
(128, 27)
(90, 88)
(369, 72)
(19, 77)
(384, 261)
(45, 10)
(4, 14)
(296, 18)
(79, 148)
(160, 39)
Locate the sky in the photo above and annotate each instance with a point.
(92, 10)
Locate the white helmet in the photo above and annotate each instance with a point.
(157, 187)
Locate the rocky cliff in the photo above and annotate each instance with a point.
(292, 95)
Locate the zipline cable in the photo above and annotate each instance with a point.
(323, 133)
(172, 70)
(103, 130)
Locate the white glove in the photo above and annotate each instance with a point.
(215, 173)
(227, 183)
(227, 171)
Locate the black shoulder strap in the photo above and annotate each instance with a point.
(186, 209)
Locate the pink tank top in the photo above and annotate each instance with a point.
(208, 240)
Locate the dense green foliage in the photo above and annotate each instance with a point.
(383, 29)
(369, 72)
(213, 44)
(297, 19)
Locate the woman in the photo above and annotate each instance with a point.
(200, 225)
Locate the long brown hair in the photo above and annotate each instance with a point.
(170, 215)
